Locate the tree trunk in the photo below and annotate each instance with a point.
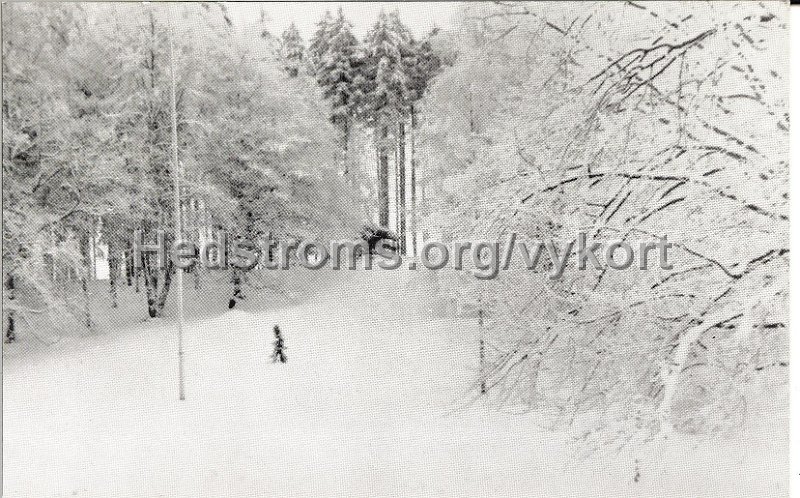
(401, 179)
(113, 274)
(87, 315)
(383, 179)
(93, 248)
(11, 329)
(150, 284)
(10, 326)
(481, 350)
(346, 145)
(396, 186)
(84, 276)
(128, 257)
(50, 259)
(134, 269)
(156, 294)
(413, 184)
(671, 369)
(164, 293)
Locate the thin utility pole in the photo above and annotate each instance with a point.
(178, 228)
(481, 346)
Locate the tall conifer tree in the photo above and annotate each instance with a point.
(292, 51)
(338, 74)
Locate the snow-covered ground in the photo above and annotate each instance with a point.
(371, 403)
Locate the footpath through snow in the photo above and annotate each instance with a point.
(369, 404)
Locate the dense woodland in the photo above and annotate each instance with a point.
(628, 120)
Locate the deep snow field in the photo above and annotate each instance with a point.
(372, 402)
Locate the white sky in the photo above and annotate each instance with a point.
(420, 17)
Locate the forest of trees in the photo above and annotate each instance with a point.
(518, 121)
(265, 127)
(626, 121)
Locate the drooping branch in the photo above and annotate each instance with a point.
(666, 178)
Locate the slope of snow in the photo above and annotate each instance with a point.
(370, 403)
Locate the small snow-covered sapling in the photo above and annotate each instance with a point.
(238, 295)
(277, 353)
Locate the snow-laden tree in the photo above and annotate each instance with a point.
(86, 116)
(624, 121)
(292, 51)
(318, 45)
(340, 76)
(375, 84)
(387, 99)
(50, 160)
(256, 150)
(271, 151)
(422, 66)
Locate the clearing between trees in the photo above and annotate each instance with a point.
(372, 402)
